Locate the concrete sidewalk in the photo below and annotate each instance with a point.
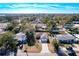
(42, 54)
(21, 53)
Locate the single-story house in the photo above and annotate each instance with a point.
(75, 23)
(64, 37)
(68, 25)
(20, 36)
(40, 26)
(3, 25)
(57, 29)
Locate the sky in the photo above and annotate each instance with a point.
(39, 8)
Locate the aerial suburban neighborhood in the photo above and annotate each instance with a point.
(39, 35)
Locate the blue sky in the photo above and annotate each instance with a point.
(39, 7)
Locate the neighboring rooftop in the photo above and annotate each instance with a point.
(64, 37)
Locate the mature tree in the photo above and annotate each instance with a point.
(8, 18)
(58, 20)
(9, 27)
(74, 31)
(23, 21)
(7, 40)
(49, 22)
(30, 38)
(68, 19)
(16, 30)
(12, 25)
(27, 27)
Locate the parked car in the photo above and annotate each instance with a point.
(2, 51)
(76, 41)
(6, 52)
(71, 52)
(44, 38)
(60, 52)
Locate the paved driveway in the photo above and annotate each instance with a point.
(45, 48)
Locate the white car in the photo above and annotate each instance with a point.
(44, 38)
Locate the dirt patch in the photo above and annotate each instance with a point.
(33, 49)
(51, 48)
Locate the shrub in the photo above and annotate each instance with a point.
(55, 44)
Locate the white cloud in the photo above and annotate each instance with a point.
(26, 6)
(38, 11)
(70, 7)
(55, 4)
(19, 5)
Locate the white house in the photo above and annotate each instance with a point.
(3, 25)
(68, 25)
(20, 36)
(74, 24)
